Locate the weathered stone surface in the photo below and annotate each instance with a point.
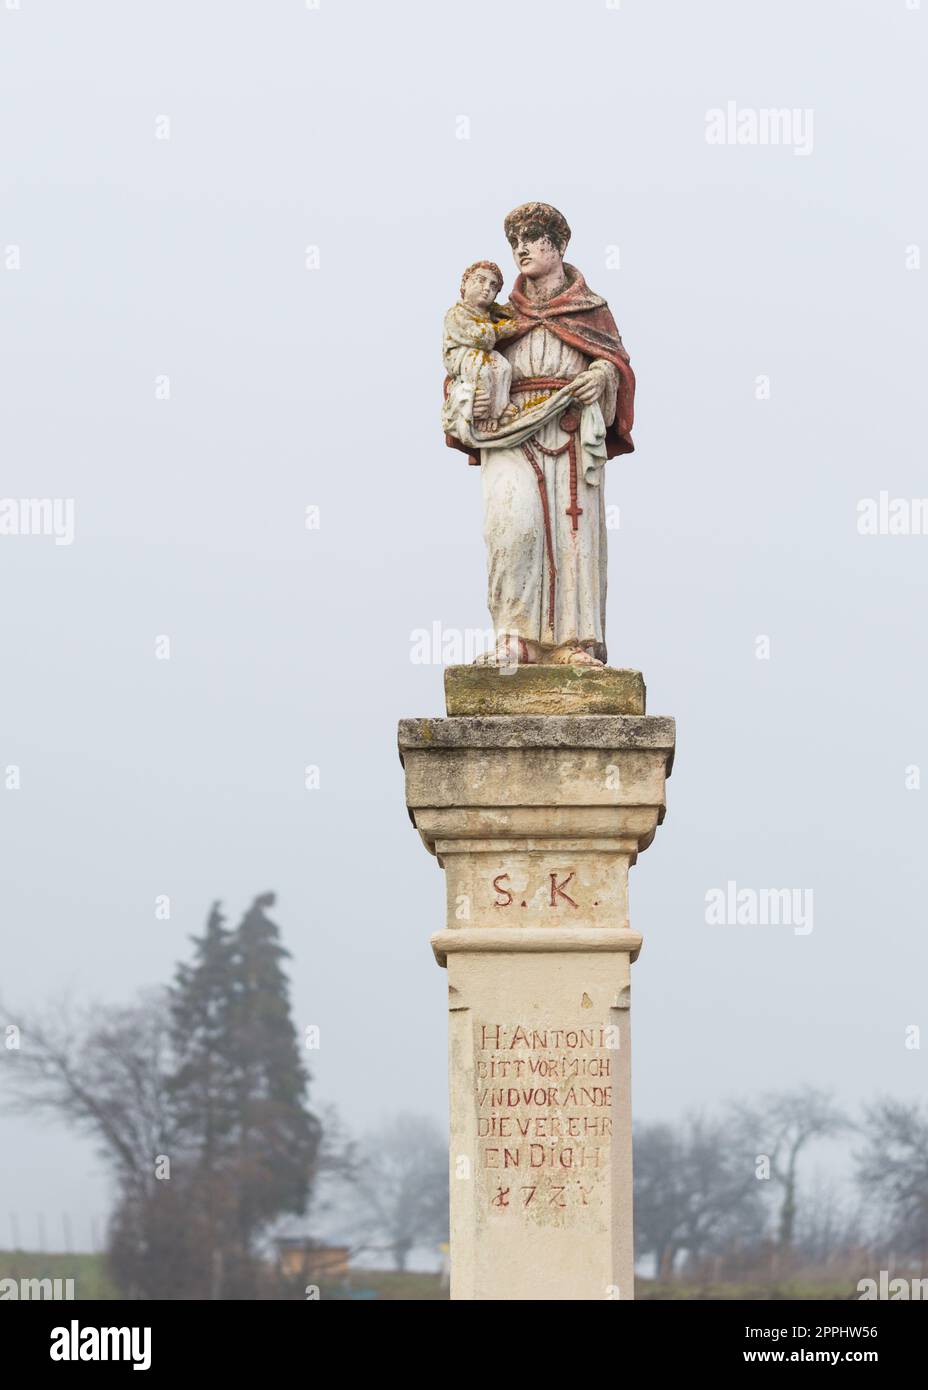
(539, 731)
(545, 690)
(541, 1135)
(536, 821)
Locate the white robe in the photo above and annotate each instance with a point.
(514, 530)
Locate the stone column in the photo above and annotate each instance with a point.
(536, 819)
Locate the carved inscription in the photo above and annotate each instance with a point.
(544, 1116)
(554, 890)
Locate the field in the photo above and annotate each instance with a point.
(91, 1282)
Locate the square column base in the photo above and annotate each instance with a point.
(536, 820)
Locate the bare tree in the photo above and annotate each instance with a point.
(399, 1188)
(829, 1225)
(780, 1127)
(892, 1171)
(660, 1194)
(104, 1070)
(693, 1192)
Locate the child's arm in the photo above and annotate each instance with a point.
(504, 321)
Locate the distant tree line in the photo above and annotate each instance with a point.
(733, 1193)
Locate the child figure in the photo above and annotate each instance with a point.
(473, 327)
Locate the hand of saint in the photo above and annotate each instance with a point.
(587, 387)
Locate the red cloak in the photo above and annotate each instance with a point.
(581, 318)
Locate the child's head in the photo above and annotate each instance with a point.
(480, 284)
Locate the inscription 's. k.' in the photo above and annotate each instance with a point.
(505, 897)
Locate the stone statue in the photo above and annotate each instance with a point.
(540, 393)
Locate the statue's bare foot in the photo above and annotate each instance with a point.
(572, 655)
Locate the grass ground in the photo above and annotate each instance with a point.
(387, 1284)
(804, 1289)
(427, 1286)
(92, 1282)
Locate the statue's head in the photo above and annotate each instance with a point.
(538, 235)
(481, 283)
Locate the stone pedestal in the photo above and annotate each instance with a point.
(536, 820)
